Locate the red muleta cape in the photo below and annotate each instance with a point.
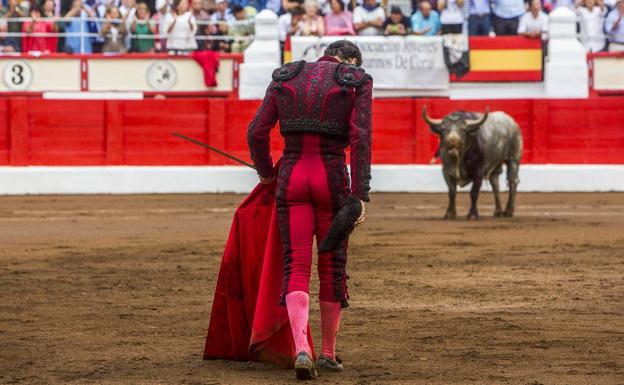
(247, 322)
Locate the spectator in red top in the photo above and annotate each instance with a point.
(38, 26)
(48, 8)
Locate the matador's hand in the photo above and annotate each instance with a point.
(362, 216)
(267, 180)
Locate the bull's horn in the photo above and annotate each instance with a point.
(430, 121)
(477, 122)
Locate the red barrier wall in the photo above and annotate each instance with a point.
(55, 132)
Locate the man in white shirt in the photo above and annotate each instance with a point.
(369, 18)
(534, 23)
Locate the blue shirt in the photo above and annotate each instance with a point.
(73, 42)
(508, 9)
(479, 7)
(616, 36)
(419, 23)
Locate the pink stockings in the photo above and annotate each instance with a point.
(298, 304)
(330, 321)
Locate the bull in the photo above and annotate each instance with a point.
(474, 147)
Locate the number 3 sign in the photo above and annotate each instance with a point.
(17, 75)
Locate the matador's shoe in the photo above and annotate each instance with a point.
(327, 364)
(304, 367)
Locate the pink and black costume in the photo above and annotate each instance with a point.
(322, 107)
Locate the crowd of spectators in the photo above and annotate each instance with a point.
(120, 26)
(599, 21)
(117, 26)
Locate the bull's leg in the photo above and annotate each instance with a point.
(474, 196)
(451, 213)
(498, 211)
(512, 180)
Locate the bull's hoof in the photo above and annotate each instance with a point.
(450, 216)
(498, 214)
(508, 214)
(473, 216)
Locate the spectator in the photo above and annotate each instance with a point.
(534, 23)
(162, 8)
(113, 30)
(143, 29)
(38, 26)
(507, 15)
(289, 24)
(48, 11)
(396, 23)
(287, 5)
(451, 16)
(426, 21)
(326, 7)
(368, 18)
(562, 3)
(180, 27)
(98, 9)
(203, 24)
(78, 43)
(614, 26)
(416, 5)
(14, 12)
(273, 5)
(591, 21)
(219, 27)
(242, 28)
(339, 21)
(7, 43)
(198, 12)
(479, 21)
(128, 13)
(312, 23)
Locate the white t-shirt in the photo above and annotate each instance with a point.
(361, 15)
(591, 23)
(452, 14)
(528, 23)
(182, 36)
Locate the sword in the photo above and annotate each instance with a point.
(229, 156)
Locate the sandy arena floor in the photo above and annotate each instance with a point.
(118, 290)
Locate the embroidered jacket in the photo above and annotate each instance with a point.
(325, 97)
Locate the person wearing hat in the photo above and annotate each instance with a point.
(396, 23)
(614, 26)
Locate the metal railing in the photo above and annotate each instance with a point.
(84, 32)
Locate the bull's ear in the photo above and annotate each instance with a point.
(434, 124)
(473, 125)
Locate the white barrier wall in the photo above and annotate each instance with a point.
(217, 179)
(261, 57)
(133, 72)
(566, 71)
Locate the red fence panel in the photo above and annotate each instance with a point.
(5, 133)
(53, 132)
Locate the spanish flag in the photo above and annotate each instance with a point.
(287, 50)
(504, 58)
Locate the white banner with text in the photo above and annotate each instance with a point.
(394, 62)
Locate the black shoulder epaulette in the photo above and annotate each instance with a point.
(349, 75)
(287, 71)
